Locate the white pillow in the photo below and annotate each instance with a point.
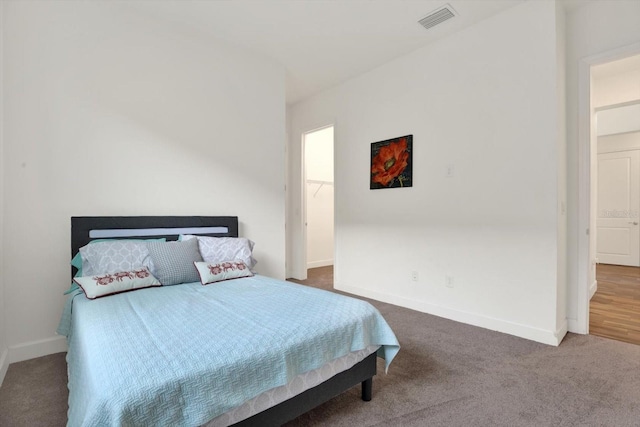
(220, 249)
(216, 272)
(121, 281)
(114, 256)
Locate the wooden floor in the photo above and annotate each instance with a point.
(614, 311)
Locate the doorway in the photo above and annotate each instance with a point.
(614, 308)
(318, 184)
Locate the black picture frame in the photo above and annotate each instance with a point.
(392, 163)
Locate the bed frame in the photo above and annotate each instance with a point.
(85, 229)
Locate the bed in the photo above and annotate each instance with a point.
(249, 351)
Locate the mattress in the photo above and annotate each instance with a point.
(187, 354)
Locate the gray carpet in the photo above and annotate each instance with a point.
(34, 393)
(446, 374)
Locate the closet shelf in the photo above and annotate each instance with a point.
(322, 183)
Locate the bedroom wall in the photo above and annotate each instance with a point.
(596, 28)
(108, 112)
(487, 104)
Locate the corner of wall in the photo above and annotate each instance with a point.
(561, 332)
(4, 364)
(39, 348)
(4, 359)
(561, 94)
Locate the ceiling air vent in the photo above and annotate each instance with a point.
(435, 18)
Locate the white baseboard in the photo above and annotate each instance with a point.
(592, 289)
(562, 331)
(575, 328)
(534, 334)
(4, 364)
(321, 263)
(39, 348)
(573, 325)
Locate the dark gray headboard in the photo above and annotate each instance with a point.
(87, 228)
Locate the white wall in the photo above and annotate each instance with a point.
(486, 103)
(318, 147)
(593, 30)
(625, 118)
(616, 89)
(619, 142)
(612, 90)
(110, 113)
(4, 360)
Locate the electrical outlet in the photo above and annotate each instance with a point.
(414, 276)
(448, 281)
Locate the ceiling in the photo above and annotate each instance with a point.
(321, 43)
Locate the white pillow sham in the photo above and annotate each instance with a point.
(220, 249)
(114, 256)
(216, 272)
(115, 283)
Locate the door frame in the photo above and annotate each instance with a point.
(303, 185)
(587, 139)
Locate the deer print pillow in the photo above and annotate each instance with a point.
(102, 285)
(211, 272)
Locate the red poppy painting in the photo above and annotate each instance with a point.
(391, 163)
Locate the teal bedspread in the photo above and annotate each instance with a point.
(182, 355)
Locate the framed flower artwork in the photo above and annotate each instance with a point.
(392, 163)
